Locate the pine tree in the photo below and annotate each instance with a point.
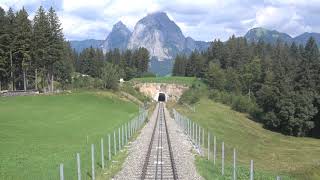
(41, 37)
(22, 43)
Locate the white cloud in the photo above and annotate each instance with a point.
(201, 19)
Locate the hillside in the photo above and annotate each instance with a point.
(273, 153)
(39, 132)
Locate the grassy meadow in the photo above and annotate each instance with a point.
(39, 132)
(273, 153)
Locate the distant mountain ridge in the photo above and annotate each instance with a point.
(272, 36)
(81, 45)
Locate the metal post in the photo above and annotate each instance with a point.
(251, 170)
(61, 172)
(203, 137)
(126, 130)
(102, 154)
(92, 160)
(208, 145)
(196, 135)
(278, 178)
(122, 136)
(199, 137)
(114, 142)
(222, 159)
(109, 148)
(214, 149)
(234, 164)
(79, 166)
(119, 138)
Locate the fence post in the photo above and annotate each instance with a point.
(208, 145)
(61, 172)
(234, 164)
(278, 178)
(203, 137)
(102, 154)
(92, 161)
(78, 166)
(119, 138)
(109, 148)
(114, 142)
(222, 159)
(251, 170)
(126, 132)
(214, 149)
(122, 136)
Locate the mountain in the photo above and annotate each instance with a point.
(164, 40)
(303, 38)
(268, 36)
(80, 45)
(117, 38)
(271, 36)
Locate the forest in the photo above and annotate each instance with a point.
(277, 84)
(34, 55)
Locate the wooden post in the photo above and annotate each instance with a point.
(222, 159)
(234, 164)
(61, 172)
(251, 170)
(92, 161)
(78, 166)
(102, 154)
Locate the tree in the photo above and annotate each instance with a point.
(22, 43)
(111, 75)
(41, 36)
(215, 77)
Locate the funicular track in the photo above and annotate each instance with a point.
(159, 162)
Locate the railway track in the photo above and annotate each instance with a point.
(159, 162)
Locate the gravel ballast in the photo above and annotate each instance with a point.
(181, 147)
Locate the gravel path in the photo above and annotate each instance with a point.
(181, 146)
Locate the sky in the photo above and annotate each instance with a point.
(204, 20)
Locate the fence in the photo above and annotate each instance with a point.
(206, 145)
(98, 156)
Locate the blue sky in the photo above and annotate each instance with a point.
(200, 19)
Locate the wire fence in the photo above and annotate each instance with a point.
(91, 159)
(214, 150)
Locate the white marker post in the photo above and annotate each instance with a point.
(222, 159)
(61, 172)
(78, 166)
(251, 170)
(214, 149)
(208, 145)
(234, 164)
(92, 161)
(102, 153)
(109, 147)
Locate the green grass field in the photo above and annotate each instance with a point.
(273, 153)
(39, 132)
(170, 80)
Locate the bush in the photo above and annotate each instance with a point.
(193, 94)
(237, 102)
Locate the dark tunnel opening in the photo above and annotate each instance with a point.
(162, 97)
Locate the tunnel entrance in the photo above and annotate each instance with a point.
(162, 97)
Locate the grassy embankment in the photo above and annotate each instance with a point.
(169, 80)
(273, 153)
(39, 132)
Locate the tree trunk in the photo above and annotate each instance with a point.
(11, 71)
(24, 80)
(36, 79)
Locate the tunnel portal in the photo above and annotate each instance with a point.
(162, 97)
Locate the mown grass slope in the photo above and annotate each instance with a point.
(170, 80)
(273, 153)
(39, 132)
